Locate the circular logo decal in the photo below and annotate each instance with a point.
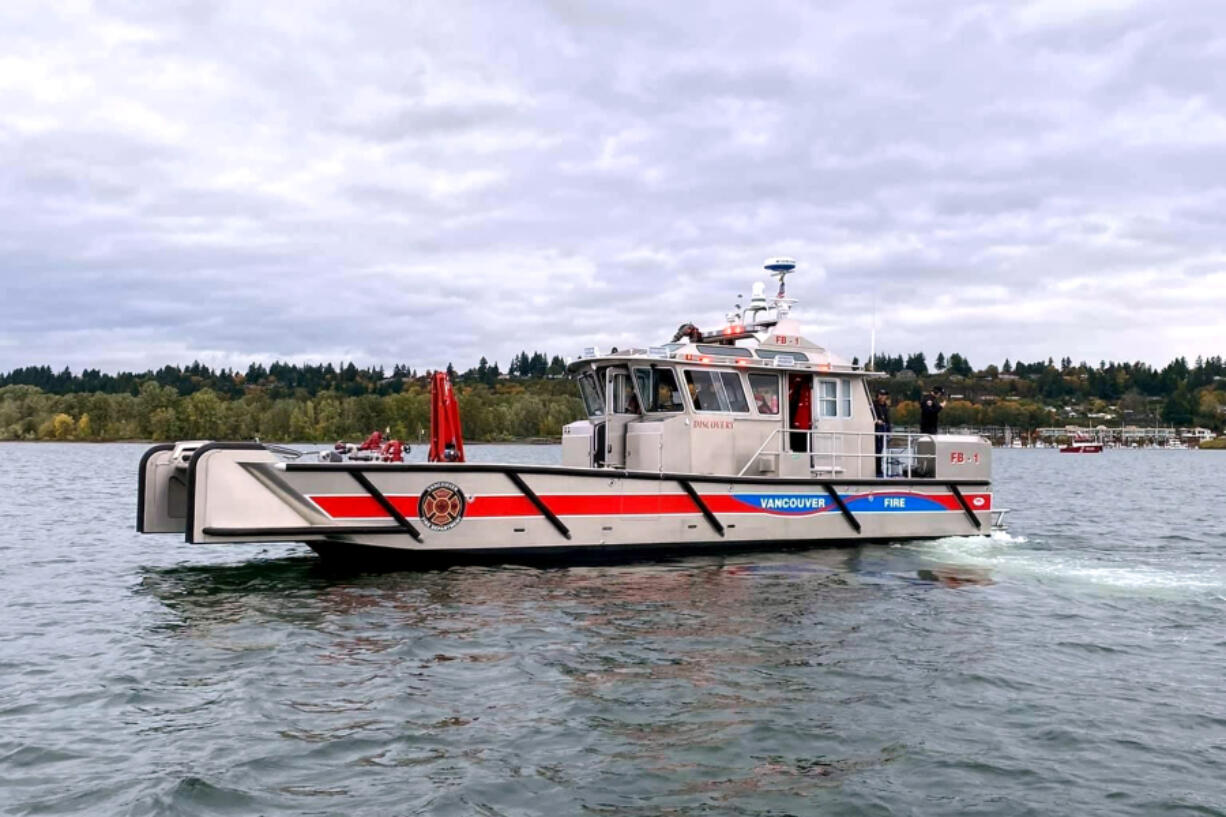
(441, 506)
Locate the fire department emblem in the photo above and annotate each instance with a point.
(441, 506)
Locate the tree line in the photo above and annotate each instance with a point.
(1021, 394)
(505, 411)
(324, 403)
(277, 380)
(1107, 380)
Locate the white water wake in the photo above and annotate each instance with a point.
(1006, 556)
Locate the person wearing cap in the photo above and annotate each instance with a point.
(881, 421)
(930, 406)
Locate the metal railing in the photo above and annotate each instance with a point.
(829, 453)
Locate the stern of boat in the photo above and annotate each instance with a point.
(216, 492)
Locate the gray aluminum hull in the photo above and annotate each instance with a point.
(241, 492)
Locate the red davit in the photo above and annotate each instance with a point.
(446, 439)
(373, 443)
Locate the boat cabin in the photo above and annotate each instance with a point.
(753, 398)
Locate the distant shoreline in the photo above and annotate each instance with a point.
(421, 444)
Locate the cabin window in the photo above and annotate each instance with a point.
(726, 351)
(624, 400)
(591, 396)
(765, 388)
(771, 354)
(828, 398)
(659, 388)
(736, 394)
(834, 398)
(716, 391)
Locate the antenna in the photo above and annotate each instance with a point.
(780, 268)
(734, 317)
(872, 342)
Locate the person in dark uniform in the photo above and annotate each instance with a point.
(881, 423)
(930, 406)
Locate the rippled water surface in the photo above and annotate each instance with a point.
(1076, 665)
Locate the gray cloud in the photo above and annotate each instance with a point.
(422, 184)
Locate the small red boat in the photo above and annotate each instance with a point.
(1082, 444)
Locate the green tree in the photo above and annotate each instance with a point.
(154, 398)
(1179, 407)
(202, 415)
(917, 364)
(302, 423)
(163, 425)
(959, 365)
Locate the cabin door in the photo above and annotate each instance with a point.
(800, 410)
(621, 409)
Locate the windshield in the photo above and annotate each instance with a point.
(591, 396)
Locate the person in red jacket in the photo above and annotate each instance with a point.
(800, 396)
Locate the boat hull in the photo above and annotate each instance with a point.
(464, 511)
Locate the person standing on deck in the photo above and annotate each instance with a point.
(800, 410)
(881, 420)
(930, 406)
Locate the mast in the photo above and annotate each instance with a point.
(872, 336)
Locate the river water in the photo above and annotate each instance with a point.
(1076, 665)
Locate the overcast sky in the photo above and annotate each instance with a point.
(429, 182)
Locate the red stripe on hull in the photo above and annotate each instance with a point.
(365, 507)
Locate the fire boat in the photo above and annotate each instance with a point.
(749, 436)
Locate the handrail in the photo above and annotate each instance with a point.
(758, 453)
(907, 456)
